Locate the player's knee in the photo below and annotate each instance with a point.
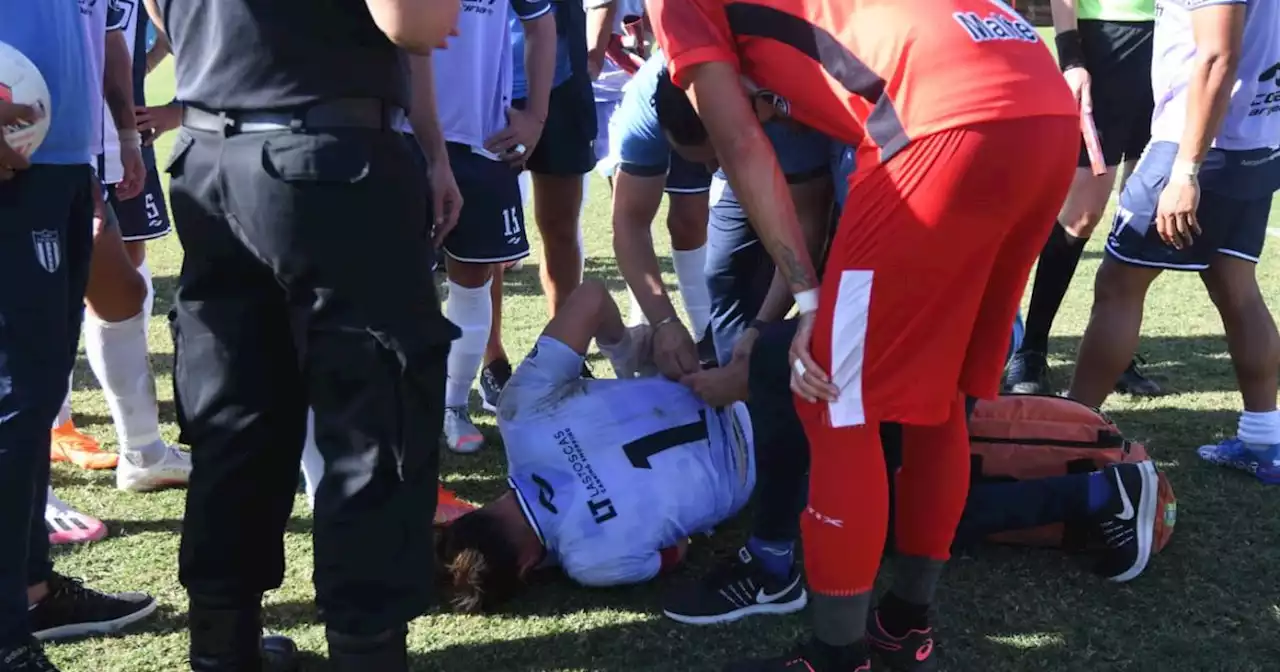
(687, 221)
(1234, 294)
(481, 564)
(1082, 222)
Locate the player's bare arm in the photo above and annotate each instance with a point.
(1218, 31)
(157, 20)
(813, 209)
(588, 314)
(158, 51)
(416, 26)
(636, 200)
(749, 161)
(117, 90)
(446, 199)
(1071, 51)
(601, 17)
(524, 127)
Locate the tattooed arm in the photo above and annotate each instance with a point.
(748, 159)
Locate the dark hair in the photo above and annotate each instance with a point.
(676, 114)
(481, 565)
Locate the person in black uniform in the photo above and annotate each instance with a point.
(305, 227)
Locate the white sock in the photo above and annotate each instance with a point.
(582, 241)
(64, 412)
(1259, 430)
(117, 352)
(470, 309)
(691, 277)
(526, 187)
(637, 316)
(312, 462)
(148, 303)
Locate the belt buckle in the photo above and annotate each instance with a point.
(227, 122)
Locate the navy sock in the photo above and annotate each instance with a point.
(1100, 491)
(777, 557)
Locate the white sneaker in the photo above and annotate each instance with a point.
(172, 471)
(460, 435)
(68, 526)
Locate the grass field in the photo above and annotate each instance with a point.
(1209, 603)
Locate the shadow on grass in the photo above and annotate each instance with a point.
(124, 527)
(1180, 364)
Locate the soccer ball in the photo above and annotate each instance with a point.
(22, 83)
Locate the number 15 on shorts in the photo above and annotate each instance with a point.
(511, 225)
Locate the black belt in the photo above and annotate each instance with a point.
(356, 113)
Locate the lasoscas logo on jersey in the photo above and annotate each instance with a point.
(1002, 25)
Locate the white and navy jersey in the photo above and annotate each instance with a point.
(1253, 118)
(610, 472)
(473, 75)
(94, 14)
(130, 17)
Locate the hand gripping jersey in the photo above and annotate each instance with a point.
(610, 472)
(873, 73)
(1253, 118)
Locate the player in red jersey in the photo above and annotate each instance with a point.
(967, 140)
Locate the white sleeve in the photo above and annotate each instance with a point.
(617, 571)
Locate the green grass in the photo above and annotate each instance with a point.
(1209, 602)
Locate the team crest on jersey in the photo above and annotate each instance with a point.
(48, 251)
(120, 13)
(86, 6)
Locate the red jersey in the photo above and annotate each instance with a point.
(873, 73)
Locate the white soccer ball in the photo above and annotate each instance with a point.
(22, 83)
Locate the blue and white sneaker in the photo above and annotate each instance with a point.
(1234, 453)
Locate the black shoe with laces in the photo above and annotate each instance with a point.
(493, 377)
(912, 651)
(1136, 383)
(738, 587)
(1027, 373)
(71, 610)
(27, 657)
(812, 656)
(1127, 523)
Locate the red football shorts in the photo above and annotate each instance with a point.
(929, 265)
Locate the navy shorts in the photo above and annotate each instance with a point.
(1236, 189)
(144, 216)
(739, 269)
(683, 177)
(491, 225)
(567, 145)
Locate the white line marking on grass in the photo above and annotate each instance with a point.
(1274, 231)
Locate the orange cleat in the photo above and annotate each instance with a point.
(449, 508)
(68, 444)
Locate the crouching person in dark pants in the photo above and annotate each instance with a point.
(305, 282)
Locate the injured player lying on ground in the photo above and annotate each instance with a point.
(609, 477)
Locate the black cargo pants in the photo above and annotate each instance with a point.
(307, 281)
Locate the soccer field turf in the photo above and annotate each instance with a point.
(1209, 602)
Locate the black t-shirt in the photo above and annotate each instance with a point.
(276, 54)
